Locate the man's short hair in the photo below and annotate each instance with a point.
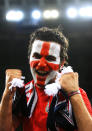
(53, 35)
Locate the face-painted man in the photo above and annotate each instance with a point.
(44, 61)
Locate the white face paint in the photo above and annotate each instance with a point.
(44, 61)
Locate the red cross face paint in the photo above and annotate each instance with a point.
(44, 61)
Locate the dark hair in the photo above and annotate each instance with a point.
(49, 34)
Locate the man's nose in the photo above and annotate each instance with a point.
(42, 62)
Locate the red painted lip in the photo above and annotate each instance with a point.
(41, 78)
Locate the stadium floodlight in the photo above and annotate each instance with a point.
(36, 14)
(89, 11)
(51, 14)
(82, 12)
(14, 15)
(72, 12)
(47, 14)
(54, 14)
(85, 11)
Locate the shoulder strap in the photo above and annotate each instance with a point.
(31, 97)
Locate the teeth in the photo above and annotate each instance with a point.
(42, 72)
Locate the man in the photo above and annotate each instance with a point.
(47, 54)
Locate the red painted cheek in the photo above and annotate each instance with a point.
(44, 65)
(53, 66)
(33, 64)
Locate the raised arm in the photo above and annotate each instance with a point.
(80, 103)
(6, 121)
(82, 112)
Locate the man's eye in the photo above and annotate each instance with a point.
(37, 55)
(51, 58)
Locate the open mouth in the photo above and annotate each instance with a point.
(42, 73)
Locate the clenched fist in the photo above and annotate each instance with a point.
(69, 82)
(10, 74)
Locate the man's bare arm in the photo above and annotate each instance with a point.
(6, 111)
(82, 116)
(69, 83)
(6, 121)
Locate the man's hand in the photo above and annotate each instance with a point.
(10, 74)
(69, 82)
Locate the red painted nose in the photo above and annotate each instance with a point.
(42, 63)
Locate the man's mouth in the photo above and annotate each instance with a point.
(42, 73)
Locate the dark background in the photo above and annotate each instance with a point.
(14, 39)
